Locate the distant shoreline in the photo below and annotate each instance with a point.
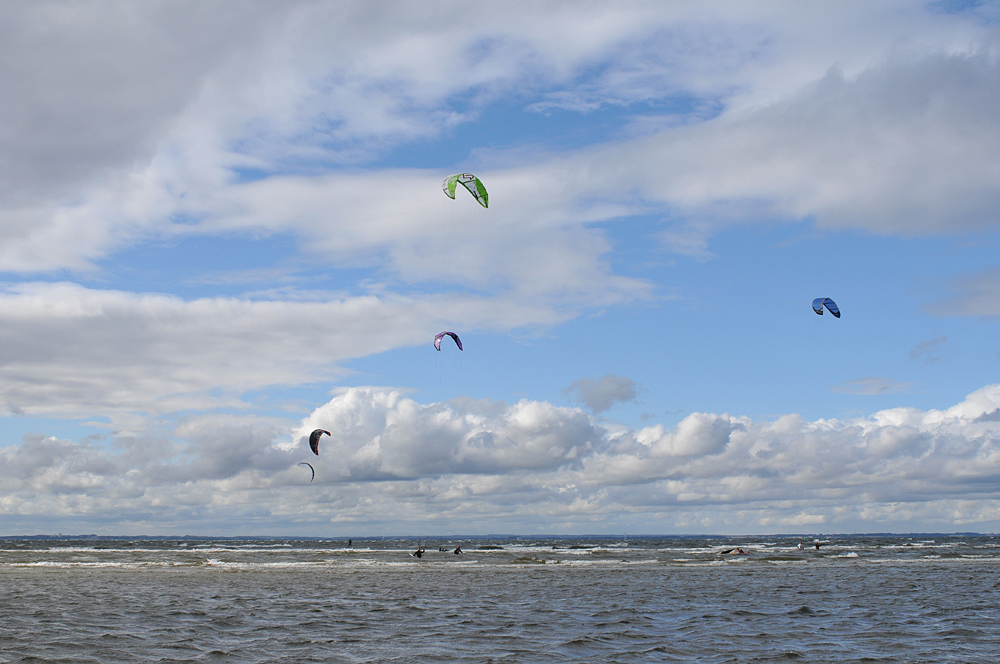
(382, 538)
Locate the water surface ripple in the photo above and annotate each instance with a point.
(871, 599)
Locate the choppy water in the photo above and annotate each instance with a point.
(888, 599)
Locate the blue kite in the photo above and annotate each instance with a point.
(830, 304)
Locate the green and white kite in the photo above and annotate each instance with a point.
(470, 182)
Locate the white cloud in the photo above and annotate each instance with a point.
(68, 351)
(92, 86)
(382, 435)
(903, 142)
(688, 240)
(601, 394)
(906, 147)
(696, 435)
(531, 240)
(481, 466)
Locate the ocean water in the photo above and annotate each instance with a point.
(922, 598)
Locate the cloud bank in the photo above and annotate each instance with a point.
(394, 465)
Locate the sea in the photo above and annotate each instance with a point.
(855, 598)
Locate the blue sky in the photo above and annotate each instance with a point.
(223, 227)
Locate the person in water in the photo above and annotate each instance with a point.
(458, 549)
(419, 553)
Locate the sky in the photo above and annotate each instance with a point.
(222, 227)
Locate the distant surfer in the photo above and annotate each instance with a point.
(458, 549)
(800, 547)
(419, 553)
(817, 544)
(350, 542)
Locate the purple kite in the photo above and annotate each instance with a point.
(314, 440)
(437, 339)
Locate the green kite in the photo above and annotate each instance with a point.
(470, 182)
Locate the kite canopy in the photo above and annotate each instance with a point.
(303, 463)
(314, 440)
(830, 304)
(439, 335)
(470, 182)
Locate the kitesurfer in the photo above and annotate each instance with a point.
(458, 549)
